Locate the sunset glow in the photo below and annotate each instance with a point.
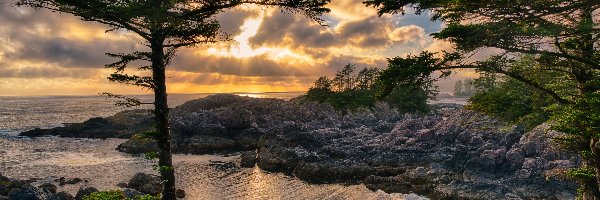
(45, 53)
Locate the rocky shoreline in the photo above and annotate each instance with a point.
(140, 185)
(448, 154)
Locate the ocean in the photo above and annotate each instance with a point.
(97, 161)
(18, 114)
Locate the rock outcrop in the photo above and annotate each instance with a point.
(122, 125)
(449, 154)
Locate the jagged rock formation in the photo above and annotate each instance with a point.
(449, 154)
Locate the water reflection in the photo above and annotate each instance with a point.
(97, 162)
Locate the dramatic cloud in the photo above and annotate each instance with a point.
(270, 51)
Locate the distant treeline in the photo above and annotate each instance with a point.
(350, 90)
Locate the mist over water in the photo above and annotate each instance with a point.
(97, 162)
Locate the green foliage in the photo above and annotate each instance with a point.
(151, 155)
(163, 168)
(165, 26)
(561, 37)
(352, 91)
(146, 197)
(414, 72)
(408, 100)
(513, 101)
(106, 195)
(149, 134)
(582, 173)
(117, 195)
(581, 123)
(351, 99)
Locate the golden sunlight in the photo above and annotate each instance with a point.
(241, 47)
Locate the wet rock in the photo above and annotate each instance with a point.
(223, 166)
(138, 145)
(460, 154)
(63, 181)
(122, 125)
(180, 193)
(131, 193)
(451, 153)
(205, 144)
(248, 159)
(61, 196)
(85, 192)
(146, 183)
(48, 188)
(26, 192)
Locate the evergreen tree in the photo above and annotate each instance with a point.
(165, 25)
(562, 37)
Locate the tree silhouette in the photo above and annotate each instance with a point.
(165, 25)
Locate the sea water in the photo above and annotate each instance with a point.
(101, 166)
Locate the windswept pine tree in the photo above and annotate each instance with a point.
(165, 25)
(561, 36)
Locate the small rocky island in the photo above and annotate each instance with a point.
(450, 153)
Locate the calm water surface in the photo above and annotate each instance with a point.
(97, 162)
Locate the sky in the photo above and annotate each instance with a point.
(46, 53)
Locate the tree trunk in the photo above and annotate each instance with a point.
(161, 111)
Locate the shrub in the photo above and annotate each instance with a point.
(106, 195)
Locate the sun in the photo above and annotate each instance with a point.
(241, 48)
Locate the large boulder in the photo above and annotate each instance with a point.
(85, 192)
(26, 192)
(138, 145)
(122, 125)
(61, 196)
(48, 188)
(146, 183)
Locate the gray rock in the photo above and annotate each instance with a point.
(85, 192)
(146, 183)
(61, 196)
(450, 153)
(138, 145)
(48, 188)
(26, 192)
(248, 159)
(131, 193)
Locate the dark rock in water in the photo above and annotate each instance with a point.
(180, 193)
(223, 166)
(26, 192)
(48, 188)
(122, 125)
(138, 145)
(63, 181)
(451, 153)
(248, 159)
(146, 183)
(85, 192)
(131, 193)
(204, 144)
(61, 196)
